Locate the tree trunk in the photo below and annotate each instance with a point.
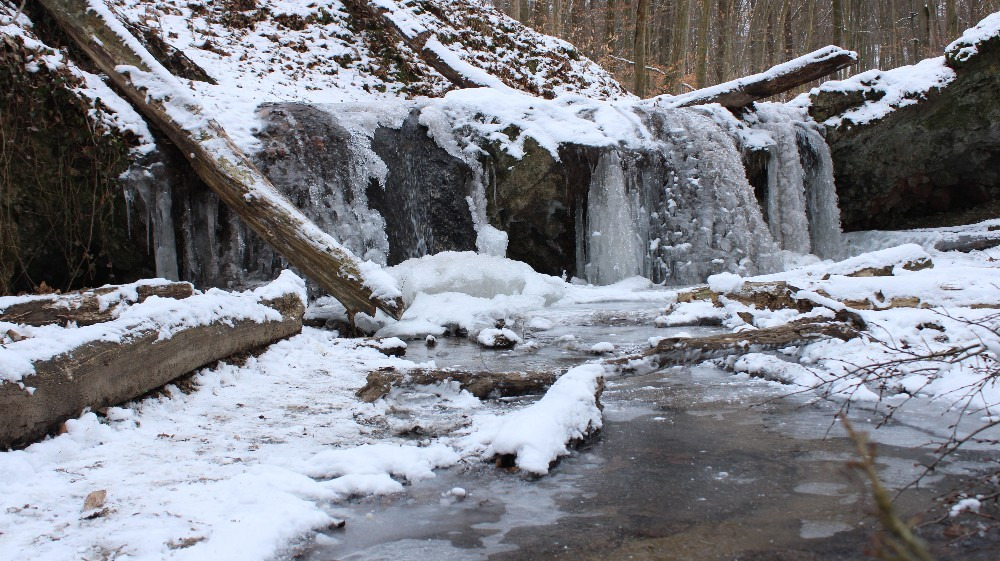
(951, 21)
(641, 40)
(703, 28)
(741, 92)
(838, 22)
(723, 40)
(680, 42)
(217, 160)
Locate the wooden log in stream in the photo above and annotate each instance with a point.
(685, 350)
(161, 98)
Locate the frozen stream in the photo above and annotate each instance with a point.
(689, 465)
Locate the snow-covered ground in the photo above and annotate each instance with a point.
(250, 464)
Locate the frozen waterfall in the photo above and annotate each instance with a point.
(576, 187)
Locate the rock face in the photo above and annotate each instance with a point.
(423, 198)
(939, 155)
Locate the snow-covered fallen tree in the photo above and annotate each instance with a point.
(52, 373)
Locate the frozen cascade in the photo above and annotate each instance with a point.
(613, 235)
(802, 200)
(786, 196)
(821, 192)
(676, 213)
(667, 199)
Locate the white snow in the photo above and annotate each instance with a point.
(538, 434)
(898, 87)
(602, 347)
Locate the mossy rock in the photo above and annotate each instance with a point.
(62, 208)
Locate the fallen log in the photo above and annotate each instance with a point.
(739, 93)
(480, 384)
(86, 307)
(685, 350)
(360, 287)
(110, 363)
(776, 295)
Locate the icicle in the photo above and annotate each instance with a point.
(614, 248)
(821, 192)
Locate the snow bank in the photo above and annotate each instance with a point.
(538, 434)
(221, 473)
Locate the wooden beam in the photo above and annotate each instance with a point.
(739, 93)
(218, 161)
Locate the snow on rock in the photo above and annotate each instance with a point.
(725, 282)
(163, 315)
(967, 46)
(602, 348)
(884, 91)
(498, 338)
(538, 434)
(107, 107)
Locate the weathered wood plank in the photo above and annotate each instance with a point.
(217, 160)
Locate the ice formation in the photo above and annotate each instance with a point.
(668, 195)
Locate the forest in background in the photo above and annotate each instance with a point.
(688, 44)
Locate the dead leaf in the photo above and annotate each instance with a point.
(185, 542)
(95, 500)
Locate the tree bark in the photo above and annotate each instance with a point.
(639, 46)
(217, 160)
(679, 44)
(838, 22)
(89, 306)
(703, 28)
(480, 384)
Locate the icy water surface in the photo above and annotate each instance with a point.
(693, 463)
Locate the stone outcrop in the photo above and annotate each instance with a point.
(938, 155)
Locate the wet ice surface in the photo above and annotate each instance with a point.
(693, 463)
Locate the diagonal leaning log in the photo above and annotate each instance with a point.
(160, 97)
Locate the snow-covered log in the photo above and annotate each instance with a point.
(359, 286)
(741, 92)
(482, 384)
(86, 307)
(686, 350)
(55, 373)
